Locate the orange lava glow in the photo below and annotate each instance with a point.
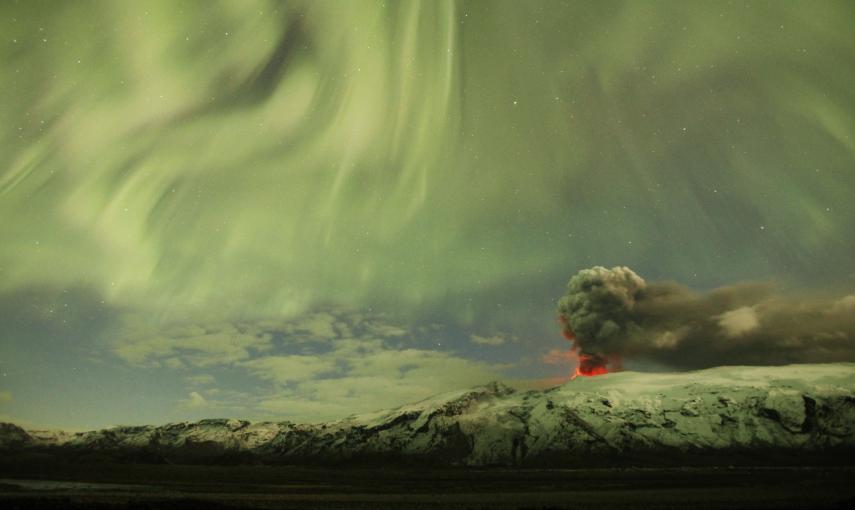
(589, 371)
(591, 365)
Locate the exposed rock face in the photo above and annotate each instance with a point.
(13, 436)
(798, 408)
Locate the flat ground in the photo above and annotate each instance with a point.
(58, 485)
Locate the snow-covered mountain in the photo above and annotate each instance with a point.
(725, 410)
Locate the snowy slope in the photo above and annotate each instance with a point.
(797, 408)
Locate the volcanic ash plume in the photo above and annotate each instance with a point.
(612, 314)
(596, 315)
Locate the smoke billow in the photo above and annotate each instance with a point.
(611, 314)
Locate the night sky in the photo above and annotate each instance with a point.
(309, 209)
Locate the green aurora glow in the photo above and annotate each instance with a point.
(445, 164)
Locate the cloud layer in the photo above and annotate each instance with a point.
(316, 366)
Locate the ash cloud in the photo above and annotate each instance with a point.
(611, 314)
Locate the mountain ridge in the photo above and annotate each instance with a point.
(799, 410)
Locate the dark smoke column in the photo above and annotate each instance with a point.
(596, 315)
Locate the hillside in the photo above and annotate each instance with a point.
(725, 412)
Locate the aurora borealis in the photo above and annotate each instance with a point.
(307, 209)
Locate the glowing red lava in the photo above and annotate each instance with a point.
(589, 364)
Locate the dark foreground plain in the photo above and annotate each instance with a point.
(59, 485)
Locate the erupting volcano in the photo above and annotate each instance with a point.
(596, 315)
(589, 364)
